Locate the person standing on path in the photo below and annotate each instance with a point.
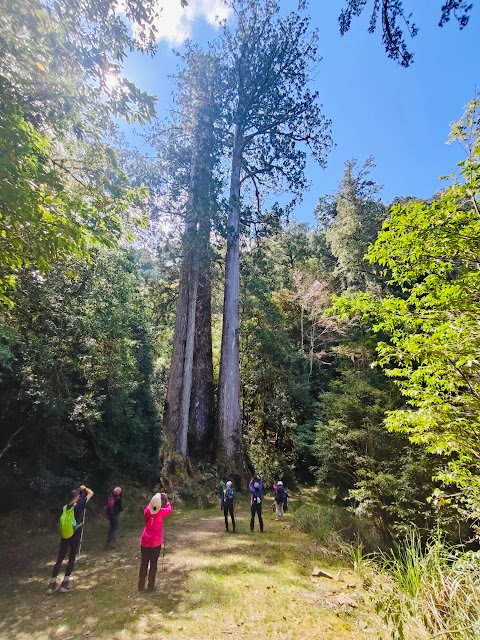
(255, 488)
(227, 502)
(77, 503)
(280, 500)
(113, 511)
(152, 539)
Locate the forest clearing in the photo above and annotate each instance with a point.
(240, 248)
(211, 584)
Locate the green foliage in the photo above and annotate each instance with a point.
(269, 106)
(380, 475)
(45, 215)
(356, 552)
(333, 526)
(278, 393)
(356, 218)
(77, 400)
(431, 251)
(201, 488)
(434, 590)
(62, 187)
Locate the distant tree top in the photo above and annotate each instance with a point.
(391, 12)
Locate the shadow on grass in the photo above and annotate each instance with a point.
(104, 604)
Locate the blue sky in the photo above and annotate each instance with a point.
(400, 116)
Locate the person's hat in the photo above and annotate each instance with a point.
(117, 491)
(257, 485)
(279, 483)
(155, 503)
(229, 484)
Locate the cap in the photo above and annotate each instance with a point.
(229, 484)
(155, 503)
(279, 483)
(117, 491)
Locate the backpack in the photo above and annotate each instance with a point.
(280, 495)
(228, 497)
(67, 523)
(109, 509)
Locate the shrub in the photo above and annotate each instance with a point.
(435, 590)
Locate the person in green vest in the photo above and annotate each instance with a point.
(71, 528)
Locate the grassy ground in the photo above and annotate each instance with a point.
(213, 585)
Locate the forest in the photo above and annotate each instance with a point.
(165, 320)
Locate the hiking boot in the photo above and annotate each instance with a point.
(65, 587)
(52, 585)
(151, 588)
(141, 586)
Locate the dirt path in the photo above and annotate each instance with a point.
(214, 585)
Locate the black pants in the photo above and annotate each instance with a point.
(256, 509)
(149, 556)
(229, 510)
(114, 526)
(73, 544)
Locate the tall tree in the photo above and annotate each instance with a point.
(273, 117)
(189, 397)
(356, 218)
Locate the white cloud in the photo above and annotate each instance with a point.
(174, 23)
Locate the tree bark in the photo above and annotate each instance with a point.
(202, 403)
(230, 449)
(189, 406)
(175, 426)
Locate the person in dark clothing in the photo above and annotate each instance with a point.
(113, 510)
(255, 488)
(281, 499)
(227, 501)
(78, 501)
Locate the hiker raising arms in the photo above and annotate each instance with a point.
(71, 527)
(112, 511)
(152, 539)
(256, 487)
(227, 500)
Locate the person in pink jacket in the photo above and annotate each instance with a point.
(152, 539)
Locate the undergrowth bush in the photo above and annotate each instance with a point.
(326, 523)
(333, 526)
(434, 590)
(201, 489)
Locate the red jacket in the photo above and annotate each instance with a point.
(152, 535)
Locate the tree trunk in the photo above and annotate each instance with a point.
(175, 425)
(177, 404)
(301, 326)
(202, 404)
(189, 404)
(230, 449)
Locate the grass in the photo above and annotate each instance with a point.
(215, 585)
(434, 591)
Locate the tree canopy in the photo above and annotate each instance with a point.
(394, 19)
